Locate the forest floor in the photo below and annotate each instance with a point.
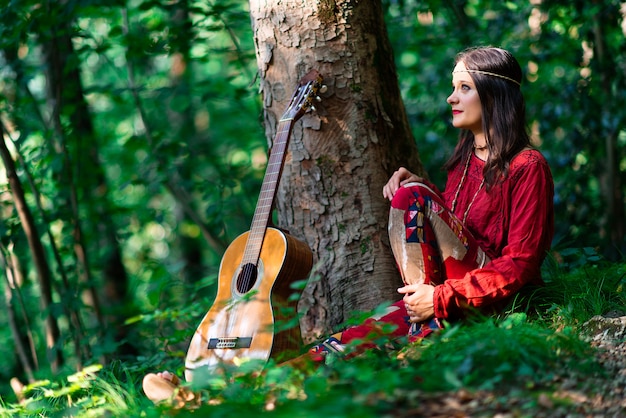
(571, 395)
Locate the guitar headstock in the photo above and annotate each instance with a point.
(302, 99)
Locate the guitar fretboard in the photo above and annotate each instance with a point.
(269, 187)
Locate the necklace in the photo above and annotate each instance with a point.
(458, 189)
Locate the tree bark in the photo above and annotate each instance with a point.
(340, 157)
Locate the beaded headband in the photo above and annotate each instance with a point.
(488, 73)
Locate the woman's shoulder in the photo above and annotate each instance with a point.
(528, 157)
(527, 161)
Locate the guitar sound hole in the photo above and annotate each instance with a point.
(247, 278)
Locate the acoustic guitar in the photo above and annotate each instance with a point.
(256, 271)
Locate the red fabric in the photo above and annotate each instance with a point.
(436, 270)
(372, 327)
(513, 223)
(366, 333)
(397, 317)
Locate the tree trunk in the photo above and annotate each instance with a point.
(22, 332)
(44, 275)
(63, 80)
(24, 105)
(330, 194)
(605, 63)
(87, 186)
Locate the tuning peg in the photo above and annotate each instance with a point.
(318, 99)
(312, 109)
(323, 88)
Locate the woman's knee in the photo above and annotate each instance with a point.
(408, 194)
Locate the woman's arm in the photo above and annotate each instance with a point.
(530, 232)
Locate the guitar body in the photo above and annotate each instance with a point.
(241, 325)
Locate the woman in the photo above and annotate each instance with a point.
(474, 246)
(479, 242)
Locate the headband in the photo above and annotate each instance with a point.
(488, 73)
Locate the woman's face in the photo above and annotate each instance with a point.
(465, 102)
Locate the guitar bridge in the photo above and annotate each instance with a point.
(229, 342)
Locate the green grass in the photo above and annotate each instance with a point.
(92, 392)
(523, 349)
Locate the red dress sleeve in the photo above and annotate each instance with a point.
(527, 237)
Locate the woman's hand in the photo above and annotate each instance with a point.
(401, 177)
(418, 300)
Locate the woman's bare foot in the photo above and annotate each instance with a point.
(165, 387)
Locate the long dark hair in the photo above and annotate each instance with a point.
(503, 111)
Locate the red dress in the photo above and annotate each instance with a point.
(513, 223)
(442, 239)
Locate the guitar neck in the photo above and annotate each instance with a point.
(263, 211)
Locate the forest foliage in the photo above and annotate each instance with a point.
(134, 148)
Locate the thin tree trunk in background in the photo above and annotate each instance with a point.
(85, 177)
(44, 276)
(22, 335)
(340, 157)
(17, 280)
(62, 79)
(24, 103)
(614, 224)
